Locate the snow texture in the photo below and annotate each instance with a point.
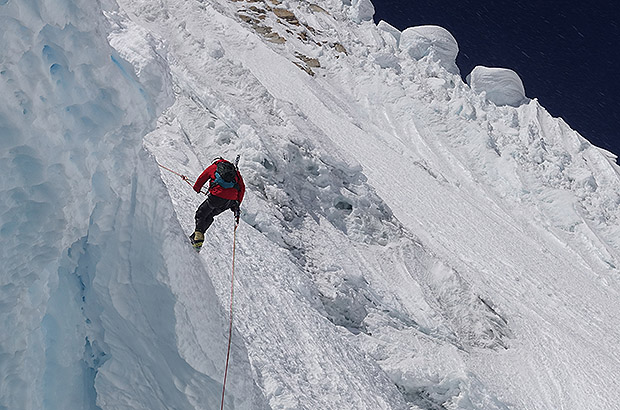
(407, 241)
(362, 10)
(433, 41)
(500, 85)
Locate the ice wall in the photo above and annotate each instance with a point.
(88, 316)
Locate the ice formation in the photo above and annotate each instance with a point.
(433, 41)
(501, 86)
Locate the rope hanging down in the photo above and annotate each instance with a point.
(232, 282)
(230, 326)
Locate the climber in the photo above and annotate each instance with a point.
(226, 191)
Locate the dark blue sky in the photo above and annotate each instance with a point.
(566, 53)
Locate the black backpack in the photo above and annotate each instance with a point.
(225, 175)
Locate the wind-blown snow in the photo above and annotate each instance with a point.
(407, 242)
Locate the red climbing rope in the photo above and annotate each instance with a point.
(183, 177)
(232, 283)
(230, 326)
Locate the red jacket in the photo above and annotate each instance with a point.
(226, 193)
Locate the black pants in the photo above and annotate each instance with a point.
(212, 206)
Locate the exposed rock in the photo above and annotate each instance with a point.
(318, 9)
(310, 28)
(275, 38)
(304, 67)
(340, 48)
(257, 10)
(248, 19)
(286, 15)
(264, 30)
(311, 62)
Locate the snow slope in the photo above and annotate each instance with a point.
(405, 243)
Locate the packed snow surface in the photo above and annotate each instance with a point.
(407, 241)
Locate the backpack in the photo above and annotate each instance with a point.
(225, 175)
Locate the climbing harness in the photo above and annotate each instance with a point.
(230, 326)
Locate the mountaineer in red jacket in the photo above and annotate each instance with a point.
(226, 191)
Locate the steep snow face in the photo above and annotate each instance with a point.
(405, 242)
(89, 313)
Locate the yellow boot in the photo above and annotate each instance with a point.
(197, 238)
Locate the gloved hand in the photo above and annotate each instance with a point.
(236, 210)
